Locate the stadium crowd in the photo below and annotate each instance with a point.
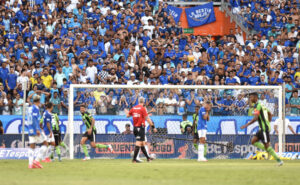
(52, 44)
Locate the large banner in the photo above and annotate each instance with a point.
(200, 15)
(123, 145)
(110, 124)
(175, 12)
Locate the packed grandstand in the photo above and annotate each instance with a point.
(52, 44)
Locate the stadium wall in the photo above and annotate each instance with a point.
(220, 27)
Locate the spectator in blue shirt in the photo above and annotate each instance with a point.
(227, 105)
(276, 80)
(253, 79)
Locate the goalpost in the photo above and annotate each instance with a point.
(278, 90)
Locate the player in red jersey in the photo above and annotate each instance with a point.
(139, 115)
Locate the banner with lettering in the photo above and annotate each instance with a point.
(175, 12)
(200, 15)
(165, 148)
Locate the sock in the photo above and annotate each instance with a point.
(49, 150)
(41, 153)
(62, 144)
(196, 146)
(200, 151)
(205, 149)
(259, 145)
(85, 150)
(136, 151)
(101, 146)
(272, 152)
(145, 152)
(57, 149)
(138, 155)
(30, 156)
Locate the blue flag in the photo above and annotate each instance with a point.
(200, 15)
(175, 12)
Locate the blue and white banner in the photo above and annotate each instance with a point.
(200, 15)
(175, 12)
(110, 124)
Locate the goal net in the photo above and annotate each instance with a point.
(172, 109)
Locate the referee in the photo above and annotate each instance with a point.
(139, 115)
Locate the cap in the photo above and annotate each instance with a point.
(37, 62)
(132, 74)
(26, 47)
(34, 47)
(65, 89)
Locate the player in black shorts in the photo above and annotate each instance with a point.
(57, 136)
(194, 128)
(89, 122)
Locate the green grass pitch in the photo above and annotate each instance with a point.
(158, 172)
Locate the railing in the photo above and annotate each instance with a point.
(238, 19)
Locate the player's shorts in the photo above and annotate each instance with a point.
(50, 139)
(90, 137)
(263, 136)
(196, 135)
(37, 139)
(57, 137)
(202, 133)
(139, 133)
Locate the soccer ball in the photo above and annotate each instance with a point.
(153, 156)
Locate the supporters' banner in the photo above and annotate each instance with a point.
(200, 15)
(123, 146)
(175, 12)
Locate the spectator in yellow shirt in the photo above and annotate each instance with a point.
(34, 79)
(47, 79)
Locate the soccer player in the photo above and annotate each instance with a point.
(263, 116)
(89, 122)
(57, 136)
(139, 115)
(47, 127)
(194, 127)
(202, 129)
(35, 134)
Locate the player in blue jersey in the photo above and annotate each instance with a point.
(202, 128)
(47, 127)
(35, 134)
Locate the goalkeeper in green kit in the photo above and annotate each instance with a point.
(263, 116)
(57, 136)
